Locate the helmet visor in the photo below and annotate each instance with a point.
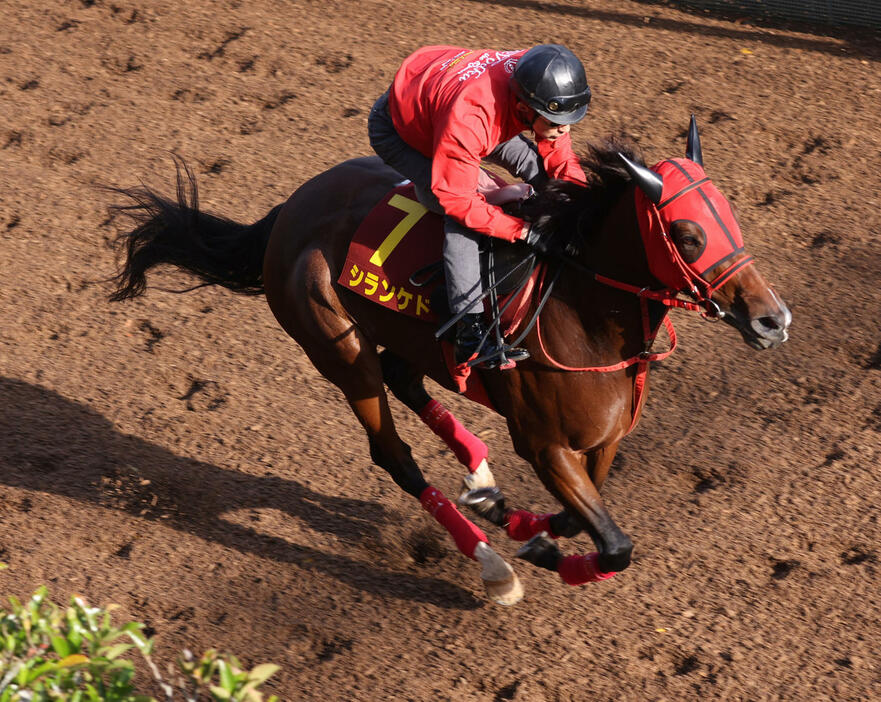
(563, 109)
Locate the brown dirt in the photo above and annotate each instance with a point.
(178, 455)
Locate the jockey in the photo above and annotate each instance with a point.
(446, 110)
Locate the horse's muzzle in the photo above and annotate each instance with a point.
(765, 332)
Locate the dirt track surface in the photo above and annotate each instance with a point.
(178, 455)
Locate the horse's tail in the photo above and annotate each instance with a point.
(217, 250)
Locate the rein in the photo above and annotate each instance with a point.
(695, 285)
(668, 297)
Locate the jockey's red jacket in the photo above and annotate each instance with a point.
(455, 106)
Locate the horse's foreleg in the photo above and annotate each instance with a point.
(573, 570)
(470, 451)
(519, 524)
(522, 525)
(568, 475)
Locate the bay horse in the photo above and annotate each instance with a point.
(638, 241)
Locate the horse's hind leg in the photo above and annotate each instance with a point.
(470, 451)
(342, 355)
(390, 453)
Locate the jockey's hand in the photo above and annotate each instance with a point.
(541, 239)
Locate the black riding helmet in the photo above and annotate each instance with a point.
(551, 80)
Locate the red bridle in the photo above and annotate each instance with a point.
(688, 195)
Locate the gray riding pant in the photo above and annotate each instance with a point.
(518, 156)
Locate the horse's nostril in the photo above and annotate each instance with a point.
(769, 323)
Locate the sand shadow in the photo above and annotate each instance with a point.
(861, 42)
(51, 444)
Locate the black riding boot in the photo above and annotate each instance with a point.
(469, 332)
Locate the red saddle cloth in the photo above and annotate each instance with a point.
(399, 237)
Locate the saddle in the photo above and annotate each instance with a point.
(395, 259)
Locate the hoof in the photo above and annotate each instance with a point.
(504, 592)
(501, 582)
(488, 502)
(541, 552)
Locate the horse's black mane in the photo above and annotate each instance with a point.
(575, 211)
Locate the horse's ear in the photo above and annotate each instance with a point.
(648, 181)
(693, 146)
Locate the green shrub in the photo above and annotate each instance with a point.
(76, 654)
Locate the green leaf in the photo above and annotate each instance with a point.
(61, 646)
(39, 671)
(135, 633)
(23, 675)
(117, 650)
(119, 666)
(263, 672)
(92, 666)
(89, 614)
(227, 679)
(75, 629)
(39, 596)
(9, 644)
(218, 693)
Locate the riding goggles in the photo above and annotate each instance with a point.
(564, 104)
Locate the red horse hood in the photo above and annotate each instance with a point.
(688, 195)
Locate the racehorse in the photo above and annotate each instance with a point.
(633, 243)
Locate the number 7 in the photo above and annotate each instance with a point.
(415, 210)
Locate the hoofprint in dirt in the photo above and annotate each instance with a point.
(180, 456)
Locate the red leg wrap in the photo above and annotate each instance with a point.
(523, 525)
(468, 448)
(464, 533)
(578, 570)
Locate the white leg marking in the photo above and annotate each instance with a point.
(501, 582)
(481, 477)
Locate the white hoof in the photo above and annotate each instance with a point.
(501, 582)
(504, 592)
(480, 478)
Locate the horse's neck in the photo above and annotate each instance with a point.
(617, 250)
(608, 320)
